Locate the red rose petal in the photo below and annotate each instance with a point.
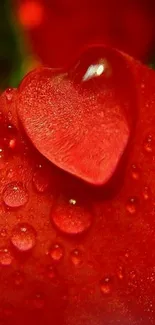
(106, 274)
(81, 120)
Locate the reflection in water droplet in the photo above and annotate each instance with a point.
(96, 70)
(135, 172)
(105, 285)
(76, 257)
(15, 195)
(131, 205)
(71, 216)
(23, 237)
(148, 144)
(56, 252)
(6, 257)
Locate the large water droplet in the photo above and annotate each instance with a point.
(105, 285)
(131, 205)
(6, 256)
(23, 237)
(56, 252)
(15, 195)
(76, 257)
(71, 216)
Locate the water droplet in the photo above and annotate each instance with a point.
(3, 233)
(6, 257)
(38, 301)
(135, 172)
(120, 273)
(12, 143)
(131, 205)
(18, 278)
(132, 275)
(148, 144)
(76, 257)
(51, 272)
(1, 116)
(9, 94)
(105, 285)
(56, 252)
(146, 193)
(71, 216)
(10, 173)
(23, 237)
(15, 195)
(41, 180)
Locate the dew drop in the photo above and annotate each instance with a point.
(18, 278)
(131, 205)
(105, 285)
(15, 195)
(135, 172)
(38, 301)
(3, 233)
(148, 144)
(76, 257)
(120, 273)
(23, 237)
(51, 272)
(71, 215)
(9, 94)
(6, 257)
(56, 252)
(41, 180)
(132, 275)
(12, 143)
(1, 116)
(146, 193)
